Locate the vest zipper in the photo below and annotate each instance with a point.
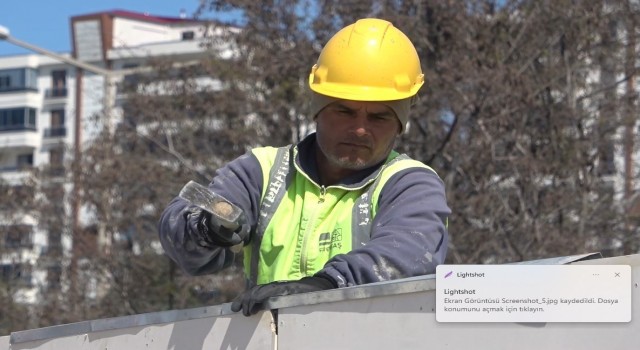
(309, 232)
(323, 192)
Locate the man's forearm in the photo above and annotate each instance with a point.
(409, 236)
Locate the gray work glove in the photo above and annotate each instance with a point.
(206, 231)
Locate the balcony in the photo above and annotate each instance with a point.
(17, 89)
(55, 96)
(55, 132)
(54, 172)
(18, 137)
(13, 175)
(55, 92)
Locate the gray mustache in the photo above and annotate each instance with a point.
(359, 142)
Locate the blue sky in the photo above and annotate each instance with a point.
(45, 23)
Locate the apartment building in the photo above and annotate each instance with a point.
(45, 109)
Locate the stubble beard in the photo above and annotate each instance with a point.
(357, 164)
(345, 162)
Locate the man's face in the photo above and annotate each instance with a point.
(355, 135)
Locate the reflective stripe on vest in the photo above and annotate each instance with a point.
(363, 210)
(279, 180)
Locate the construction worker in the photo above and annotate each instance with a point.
(340, 208)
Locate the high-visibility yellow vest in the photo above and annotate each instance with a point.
(302, 224)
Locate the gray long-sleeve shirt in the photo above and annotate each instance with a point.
(408, 238)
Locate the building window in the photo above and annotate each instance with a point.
(58, 84)
(5, 82)
(188, 35)
(18, 79)
(59, 78)
(17, 236)
(57, 118)
(32, 116)
(56, 162)
(56, 157)
(57, 128)
(19, 274)
(9, 271)
(17, 119)
(25, 161)
(54, 274)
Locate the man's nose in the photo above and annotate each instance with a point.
(360, 126)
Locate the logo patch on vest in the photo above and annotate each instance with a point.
(330, 240)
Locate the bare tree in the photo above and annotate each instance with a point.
(521, 115)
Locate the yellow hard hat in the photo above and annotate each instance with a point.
(370, 60)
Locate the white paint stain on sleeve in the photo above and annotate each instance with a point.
(429, 256)
(385, 271)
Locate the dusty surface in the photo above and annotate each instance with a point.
(223, 209)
